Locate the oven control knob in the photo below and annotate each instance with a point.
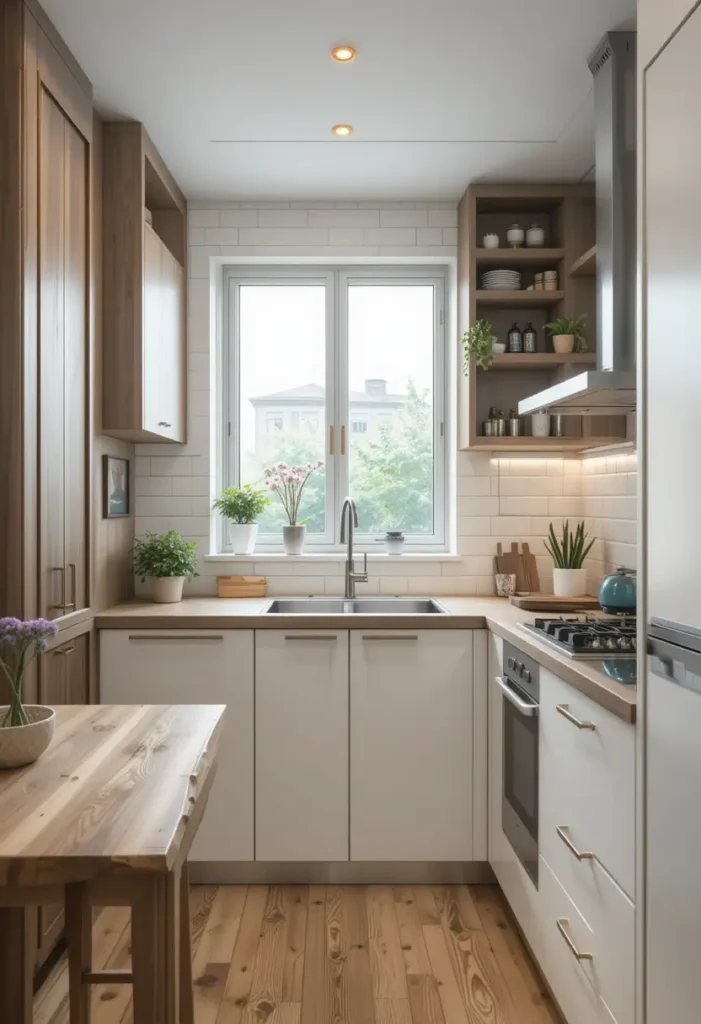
(519, 667)
(595, 644)
(611, 644)
(624, 643)
(527, 675)
(511, 663)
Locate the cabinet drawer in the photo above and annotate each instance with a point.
(196, 667)
(609, 914)
(575, 983)
(587, 777)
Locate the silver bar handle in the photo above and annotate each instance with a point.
(72, 568)
(329, 637)
(579, 854)
(528, 710)
(177, 639)
(562, 924)
(391, 636)
(563, 709)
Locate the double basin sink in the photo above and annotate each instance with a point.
(355, 606)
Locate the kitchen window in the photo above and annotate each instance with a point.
(345, 365)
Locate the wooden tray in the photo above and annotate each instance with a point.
(242, 586)
(550, 603)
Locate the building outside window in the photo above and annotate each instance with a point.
(357, 379)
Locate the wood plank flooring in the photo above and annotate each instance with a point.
(335, 955)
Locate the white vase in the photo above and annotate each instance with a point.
(242, 537)
(23, 744)
(394, 543)
(293, 539)
(570, 582)
(563, 343)
(167, 589)
(515, 236)
(540, 424)
(535, 237)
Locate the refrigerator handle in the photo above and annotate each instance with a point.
(675, 664)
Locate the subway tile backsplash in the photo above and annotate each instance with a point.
(504, 499)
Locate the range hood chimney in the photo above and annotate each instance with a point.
(610, 389)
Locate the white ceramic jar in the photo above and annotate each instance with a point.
(515, 236)
(535, 237)
(540, 424)
(491, 241)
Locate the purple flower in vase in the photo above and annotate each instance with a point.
(24, 639)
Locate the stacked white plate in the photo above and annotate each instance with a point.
(501, 280)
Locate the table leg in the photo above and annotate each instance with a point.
(79, 938)
(187, 1006)
(16, 965)
(155, 930)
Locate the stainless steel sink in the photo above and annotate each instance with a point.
(357, 606)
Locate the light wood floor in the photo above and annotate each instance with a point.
(335, 955)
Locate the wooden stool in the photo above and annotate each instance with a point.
(161, 947)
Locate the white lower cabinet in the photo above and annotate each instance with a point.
(411, 747)
(196, 667)
(301, 745)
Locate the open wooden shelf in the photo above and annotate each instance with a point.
(539, 444)
(540, 360)
(510, 255)
(585, 265)
(520, 299)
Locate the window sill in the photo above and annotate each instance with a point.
(333, 556)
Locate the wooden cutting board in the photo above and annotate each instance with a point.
(511, 563)
(550, 603)
(531, 568)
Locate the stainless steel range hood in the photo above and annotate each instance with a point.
(610, 389)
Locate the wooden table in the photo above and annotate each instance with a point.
(106, 818)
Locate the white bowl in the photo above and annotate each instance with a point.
(23, 744)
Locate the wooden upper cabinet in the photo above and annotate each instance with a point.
(144, 353)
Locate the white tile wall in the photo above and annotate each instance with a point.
(609, 504)
(497, 499)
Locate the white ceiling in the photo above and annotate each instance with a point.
(240, 97)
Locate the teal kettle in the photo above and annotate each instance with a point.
(617, 593)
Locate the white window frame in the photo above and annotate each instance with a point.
(337, 279)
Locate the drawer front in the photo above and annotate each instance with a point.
(609, 914)
(587, 777)
(575, 983)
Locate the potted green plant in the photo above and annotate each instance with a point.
(568, 554)
(25, 729)
(481, 342)
(567, 334)
(167, 560)
(241, 506)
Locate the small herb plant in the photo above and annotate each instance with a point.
(573, 325)
(570, 551)
(242, 505)
(477, 342)
(164, 554)
(23, 640)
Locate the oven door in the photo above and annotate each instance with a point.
(520, 778)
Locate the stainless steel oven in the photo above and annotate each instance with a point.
(520, 685)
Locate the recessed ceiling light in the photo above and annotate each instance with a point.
(343, 130)
(343, 54)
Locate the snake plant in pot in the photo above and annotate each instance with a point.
(568, 554)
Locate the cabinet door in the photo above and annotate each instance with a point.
(51, 286)
(301, 745)
(196, 667)
(411, 745)
(153, 369)
(76, 364)
(63, 679)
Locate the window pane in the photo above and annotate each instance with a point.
(390, 353)
(283, 391)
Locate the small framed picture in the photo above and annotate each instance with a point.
(115, 487)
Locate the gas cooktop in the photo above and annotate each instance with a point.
(587, 637)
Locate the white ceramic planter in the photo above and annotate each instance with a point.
(293, 539)
(394, 543)
(23, 744)
(167, 589)
(563, 343)
(243, 537)
(569, 582)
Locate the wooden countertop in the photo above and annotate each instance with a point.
(464, 613)
(118, 786)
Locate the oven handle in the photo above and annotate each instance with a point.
(527, 710)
